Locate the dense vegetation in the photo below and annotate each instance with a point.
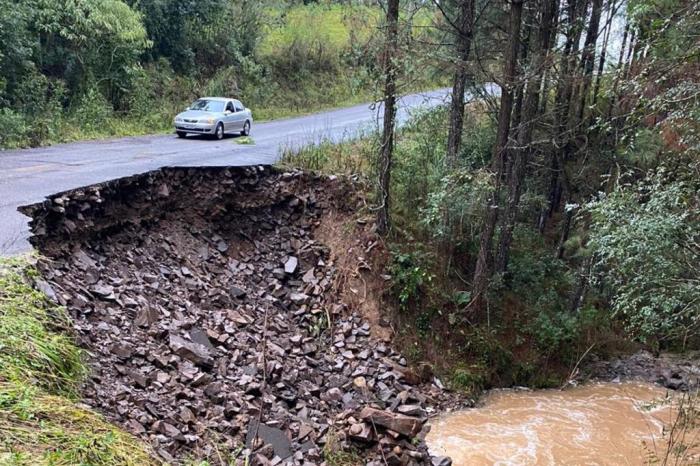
(92, 68)
(558, 219)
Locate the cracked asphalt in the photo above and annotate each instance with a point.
(29, 175)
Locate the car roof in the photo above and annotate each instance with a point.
(221, 99)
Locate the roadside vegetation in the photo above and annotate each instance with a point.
(563, 227)
(41, 368)
(96, 68)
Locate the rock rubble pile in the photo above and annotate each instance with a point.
(207, 308)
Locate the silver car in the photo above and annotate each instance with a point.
(214, 116)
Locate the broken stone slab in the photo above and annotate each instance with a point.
(412, 410)
(405, 425)
(309, 276)
(198, 335)
(269, 435)
(121, 350)
(237, 292)
(299, 298)
(291, 265)
(103, 291)
(195, 352)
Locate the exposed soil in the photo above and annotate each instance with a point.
(235, 308)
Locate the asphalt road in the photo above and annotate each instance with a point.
(29, 175)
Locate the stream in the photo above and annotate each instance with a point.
(592, 424)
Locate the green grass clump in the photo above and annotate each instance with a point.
(41, 368)
(350, 157)
(245, 140)
(34, 347)
(335, 455)
(41, 429)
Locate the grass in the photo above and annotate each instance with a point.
(349, 157)
(41, 368)
(34, 345)
(335, 455)
(245, 140)
(37, 428)
(334, 25)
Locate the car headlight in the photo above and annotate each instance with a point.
(207, 120)
(178, 119)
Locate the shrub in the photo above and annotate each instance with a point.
(93, 111)
(14, 130)
(467, 379)
(645, 240)
(409, 278)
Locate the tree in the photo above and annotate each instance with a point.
(463, 30)
(535, 73)
(387, 141)
(90, 43)
(484, 262)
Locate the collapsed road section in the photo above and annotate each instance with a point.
(210, 313)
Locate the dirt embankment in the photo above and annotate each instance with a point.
(215, 319)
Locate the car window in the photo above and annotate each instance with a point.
(239, 106)
(205, 105)
(229, 106)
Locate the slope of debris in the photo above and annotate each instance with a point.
(208, 310)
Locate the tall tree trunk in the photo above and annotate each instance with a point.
(575, 9)
(387, 143)
(463, 30)
(463, 42)
(588, 58)
(484, 262)
(619, 72)
(603, 56)
(525, 131)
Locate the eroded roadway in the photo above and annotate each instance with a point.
(29, 175)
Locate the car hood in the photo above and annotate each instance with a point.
(197, 114)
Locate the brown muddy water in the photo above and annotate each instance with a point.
(594, 424)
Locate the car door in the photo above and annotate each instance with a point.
(230, 118)
(240, 114)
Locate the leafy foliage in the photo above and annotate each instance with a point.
(647, 246)
(410, 279)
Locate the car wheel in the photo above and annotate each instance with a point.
(219, 133)
(246, 129)
(181, 134)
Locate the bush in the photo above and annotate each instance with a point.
(410, 280)
(224, 82)
(645, 240)
(93, 112)
(470, 380)
(14, 131)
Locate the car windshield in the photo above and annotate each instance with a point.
(208, 105)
